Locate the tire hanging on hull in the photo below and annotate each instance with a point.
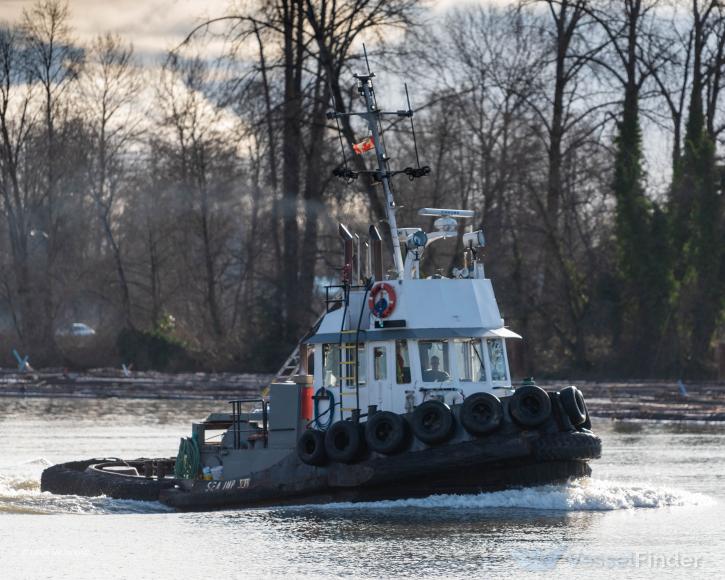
(530, 406)
(344, 441)
(386, 432)
(573, 402)
(311, 447)
(481, 413)
(432, 422)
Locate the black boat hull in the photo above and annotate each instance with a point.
(481, 465)
(494, 463)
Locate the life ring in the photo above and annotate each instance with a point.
(382, 300)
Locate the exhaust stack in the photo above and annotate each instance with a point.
(376, 251)
(348, 242)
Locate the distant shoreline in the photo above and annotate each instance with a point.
(108, 383)
(617, 400)
(656, 400)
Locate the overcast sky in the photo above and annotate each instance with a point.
(153, 26)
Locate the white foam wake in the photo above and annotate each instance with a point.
(578, 495)
(20, 494)
(40, 462)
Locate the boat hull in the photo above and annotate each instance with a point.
(463, 468)
(493, 463)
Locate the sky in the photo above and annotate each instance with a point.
(154, 26)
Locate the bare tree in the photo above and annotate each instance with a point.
(53, 61)
(203, 162)
(16, 125)
(109, 89)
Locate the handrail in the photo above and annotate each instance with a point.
(237, 418)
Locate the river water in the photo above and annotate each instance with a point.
(655, 506)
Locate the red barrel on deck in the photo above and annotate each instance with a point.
(304, 384)
(306, 407)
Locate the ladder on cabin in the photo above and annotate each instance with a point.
(291, 366)
(349, 358)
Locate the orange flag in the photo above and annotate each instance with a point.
(365, 145)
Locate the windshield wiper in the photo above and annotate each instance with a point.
(478, 356)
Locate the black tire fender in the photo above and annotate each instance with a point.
(311, 447)
(481, 413)
(573, 402)
(386, 432)
(530, 406)
(344, 441)
(432, 422)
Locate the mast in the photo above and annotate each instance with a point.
(382, 174)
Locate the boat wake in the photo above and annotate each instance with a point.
(20, 494)
(577, 495)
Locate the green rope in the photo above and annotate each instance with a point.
(188, 460)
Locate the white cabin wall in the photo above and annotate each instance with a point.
(319, 371)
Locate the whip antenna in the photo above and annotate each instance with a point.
(347, 173)
(412, 126)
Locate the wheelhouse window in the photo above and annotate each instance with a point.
(497, 358)
(434, 360)
(380, 363)
(335, 368)
(469, 360)
(402, 362)
(330, 364)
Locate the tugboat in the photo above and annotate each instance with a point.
(402, 389)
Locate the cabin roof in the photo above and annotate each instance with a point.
(415, 334)
(426, 309)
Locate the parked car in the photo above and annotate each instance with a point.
(76, 329)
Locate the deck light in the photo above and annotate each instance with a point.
(474, 239)
(417, 240)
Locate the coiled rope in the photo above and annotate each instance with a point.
(188, 460)
(323, 393)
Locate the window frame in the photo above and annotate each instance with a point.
(385, 347)
(489, 369)
(411, 361)
(446, 356)
(456, 371)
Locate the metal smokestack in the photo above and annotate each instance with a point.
(376, 251)
(358, 261)
(348, 242)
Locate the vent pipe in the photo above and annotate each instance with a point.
(367, 271)
(358, 262)
(348, 242)
(376, 251)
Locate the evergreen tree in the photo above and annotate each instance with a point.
(642, 249)
(697, 233)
